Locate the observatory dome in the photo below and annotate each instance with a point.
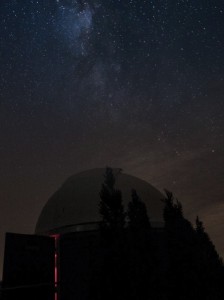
(76, 202)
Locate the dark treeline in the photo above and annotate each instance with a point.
(140, 262)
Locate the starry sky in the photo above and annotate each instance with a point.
(134, 84)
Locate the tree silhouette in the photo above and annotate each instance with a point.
(180, 247)
(111, 207)
(189, 266)
(194, 269)
(114, 265)
(140, 248)
(209, 265)
(137, 215)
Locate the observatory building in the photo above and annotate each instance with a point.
(61, 259)
(75, 205)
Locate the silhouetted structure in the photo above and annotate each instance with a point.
(123, 255)
(28, 267)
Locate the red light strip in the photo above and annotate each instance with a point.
(56, 267)
(55, 277)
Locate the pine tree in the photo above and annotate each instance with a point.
(173, 212)
(140, 249)
(206, 245)
(195, 270)
(180, 246)
(113, 243)
(209, 265)
(111, 207)
(137, 215)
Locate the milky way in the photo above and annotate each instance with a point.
(131, 84)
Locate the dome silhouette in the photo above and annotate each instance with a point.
(76, 203)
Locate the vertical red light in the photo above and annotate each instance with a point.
(56, 237)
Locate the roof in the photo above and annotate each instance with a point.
(77, 200)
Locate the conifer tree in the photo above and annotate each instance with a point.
(209, 265)
(111, 207)
(195, 270)
(140, 249)
(113, 243)
(137, 215)
(206, 245)
(180, 246)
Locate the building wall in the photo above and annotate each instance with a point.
(28, 271)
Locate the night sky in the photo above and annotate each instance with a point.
(134, 84)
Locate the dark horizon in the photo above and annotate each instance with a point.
(124, 257)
